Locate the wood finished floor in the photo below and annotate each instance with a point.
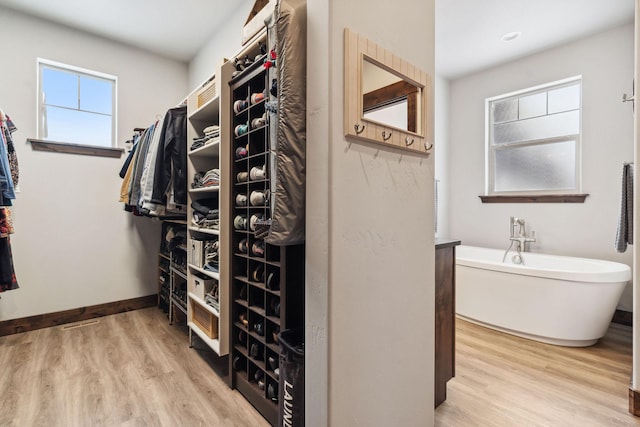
(502, 380)
(131, 369)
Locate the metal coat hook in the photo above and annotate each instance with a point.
(631, 98)
(386, 136)
(406, 141)
(358, 128)
(428, 146)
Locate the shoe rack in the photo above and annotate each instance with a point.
(164, 271)
(266, 280)
(177, 275)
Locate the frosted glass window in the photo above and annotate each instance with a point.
(536, 167)
(76, 106)
(537, 128)
(505, 111)
(564, 99)
(534, 139)
(532, 106)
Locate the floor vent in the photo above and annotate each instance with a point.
(79, 325)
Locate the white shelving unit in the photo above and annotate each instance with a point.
(209, 323)
(205, 231)
(210, 189)
(211, 274)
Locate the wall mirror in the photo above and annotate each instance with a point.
(387, 100)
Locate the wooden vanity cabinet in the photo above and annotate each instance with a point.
(445, 312)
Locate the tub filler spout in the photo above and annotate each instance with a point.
(518, 235)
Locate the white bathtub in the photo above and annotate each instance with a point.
(558, 300)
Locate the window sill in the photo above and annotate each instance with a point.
(544, 198)
(64, 147)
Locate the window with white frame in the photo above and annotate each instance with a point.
(533, 140)
(76, 105)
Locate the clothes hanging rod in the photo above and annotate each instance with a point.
(627, 163)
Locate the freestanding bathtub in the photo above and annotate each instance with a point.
(554, 299)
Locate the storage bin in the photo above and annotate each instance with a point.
(196, 253)
(199, 286)
(204, 320)
(291, 378)
(204, 94)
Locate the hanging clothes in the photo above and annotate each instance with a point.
(127, 170)
(8, 129)
(138, 168)
(8, 177)
(154, 173)
(6, 181)
(8, 281)
(149, 169)
(171, 162)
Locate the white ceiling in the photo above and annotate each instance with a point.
(173, 28)
(467, 31)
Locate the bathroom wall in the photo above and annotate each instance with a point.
(441, 153)
(605, 61)
(370, 244)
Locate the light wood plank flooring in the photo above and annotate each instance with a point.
(130, 369)
(502, 380)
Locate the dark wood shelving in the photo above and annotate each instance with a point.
(286, 261)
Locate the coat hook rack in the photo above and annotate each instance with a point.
(631, 98)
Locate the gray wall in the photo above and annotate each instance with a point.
(225, 42)
(441, 151)
(370, 252)
(605, 62)
(74, 246)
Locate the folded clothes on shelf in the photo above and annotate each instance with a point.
(206, 179)
(207, 207)
(205, 140)
(212, 300)
(211, 255)
(213, 130)
(206, 213)
(201, 221)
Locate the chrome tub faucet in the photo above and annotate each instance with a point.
(518, 234)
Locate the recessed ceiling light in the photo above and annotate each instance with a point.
(511, 36)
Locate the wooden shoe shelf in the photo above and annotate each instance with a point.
(264, 300)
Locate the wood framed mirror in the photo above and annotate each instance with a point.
(386, 99)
